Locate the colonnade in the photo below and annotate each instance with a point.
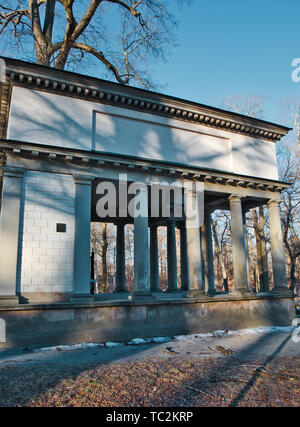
(196, 247)
(196, 254)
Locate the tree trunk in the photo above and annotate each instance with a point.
(292, 274)
(42, 56)
(104, 257)
(262, 284)
(220, 257)
(265, 266)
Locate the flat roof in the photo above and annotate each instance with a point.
(19, 66)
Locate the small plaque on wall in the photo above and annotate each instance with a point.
(61, 228)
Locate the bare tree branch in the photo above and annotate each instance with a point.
(101, 57)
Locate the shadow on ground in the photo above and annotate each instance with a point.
(260, 371)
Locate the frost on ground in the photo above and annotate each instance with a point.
(157, 340)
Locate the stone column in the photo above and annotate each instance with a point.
(239, 257)
(277, 248)
(207, 255)
(141, 252)
(172, 257)
(9, 233)
(82, 285)
(120, 260)
(193, 244)
(246, 249)
(183, 259)
(154, 269)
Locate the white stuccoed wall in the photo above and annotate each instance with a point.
(50, 119)
(47, 256)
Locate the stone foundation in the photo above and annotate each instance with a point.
(69, 323)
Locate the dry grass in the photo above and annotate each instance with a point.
(175, 382)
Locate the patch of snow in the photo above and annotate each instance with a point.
(262, 330)
(83, 345)
(218, 333)
(159, 340)
(113, 344)
(248, 331)
(137, 341)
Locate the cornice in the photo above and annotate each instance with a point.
(74, 85)
(90, 159)
(4, 107)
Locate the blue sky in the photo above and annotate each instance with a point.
(236, 47)
(230, 47)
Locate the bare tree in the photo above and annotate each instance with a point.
(262, 275)
(253, 106)
(219, 234)
(288, 156)
(290, 208)
(104, 257)
(122, 35)
(291, 105)
(103, 244)
(129, 248)
(249, 105)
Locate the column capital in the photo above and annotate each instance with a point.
(13, 172)
(153, 225)
(120, 223)
(180, 225)
(82, 179)
(235, 198)
(273, 202)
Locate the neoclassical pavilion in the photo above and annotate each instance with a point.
(63, 133)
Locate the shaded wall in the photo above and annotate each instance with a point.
(57, 120)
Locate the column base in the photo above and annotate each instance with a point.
(141, 296)
(194, 294)
(241, 293)
(9, 300)
(172, 290)
(121, 291)
(82, 298)
(212, 293)
(283, 290)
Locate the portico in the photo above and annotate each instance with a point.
(196, 246)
